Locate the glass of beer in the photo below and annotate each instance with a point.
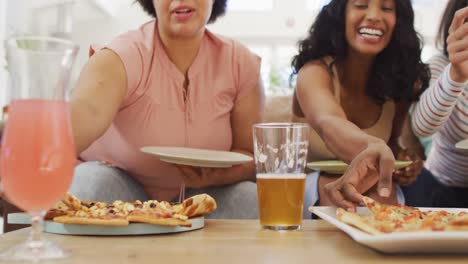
(280, 151)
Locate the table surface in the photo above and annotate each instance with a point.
(228, 241)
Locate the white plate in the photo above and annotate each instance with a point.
(94, 230)
(462, 144)
(198, 157)
(339, 167)
(409, 242)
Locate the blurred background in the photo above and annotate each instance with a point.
(270, 28)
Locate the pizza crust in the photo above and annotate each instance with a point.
(52, 213)
(75, 220)
(147, 219)
(197, 205)
(356, 220)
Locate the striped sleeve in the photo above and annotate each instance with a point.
(438, 101)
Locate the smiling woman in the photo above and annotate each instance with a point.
(358, 71)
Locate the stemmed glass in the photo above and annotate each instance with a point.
(37, 154)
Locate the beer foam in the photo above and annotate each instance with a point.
(281, 176)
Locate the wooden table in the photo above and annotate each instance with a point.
(229, 241)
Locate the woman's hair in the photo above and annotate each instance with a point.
(219, 8)
(396, 70)
(447, 17)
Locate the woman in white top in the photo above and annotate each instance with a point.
(443, 113)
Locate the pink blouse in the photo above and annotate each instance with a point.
(154, 112)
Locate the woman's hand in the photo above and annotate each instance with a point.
(408, 175)
(457, 46)
(372, 165)
(196, 177)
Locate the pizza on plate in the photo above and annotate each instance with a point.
(385, 218)
(71, 210)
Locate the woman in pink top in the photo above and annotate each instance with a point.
(169, 83)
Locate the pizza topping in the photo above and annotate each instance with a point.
(398, 218)
(70, 210)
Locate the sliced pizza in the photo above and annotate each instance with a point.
(71, 210)
(358, 221)
(72, 202)
(104, 216)
(157, 216)
(397, 218)
(59, 209)
(385, 212)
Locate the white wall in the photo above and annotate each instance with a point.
(247, 25)
(284, 25)
(99, 28)
(3, 27)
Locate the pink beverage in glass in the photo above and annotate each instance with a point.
(37, 155)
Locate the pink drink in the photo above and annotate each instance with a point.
(37, 155)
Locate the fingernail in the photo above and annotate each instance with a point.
(384, 192)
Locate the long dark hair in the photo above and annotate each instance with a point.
(396, 70)
(446, 21)
(219, 9)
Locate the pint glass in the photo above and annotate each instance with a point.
(280, 151)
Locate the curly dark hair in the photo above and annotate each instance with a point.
(219, 9)
(446, 21)
(396, 70)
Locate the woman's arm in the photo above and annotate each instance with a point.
(411, 150)
(326, 116)
(437, 102)
(408, 140)
(97, 97)
(247, 111)
(371, 159)
(401, 114)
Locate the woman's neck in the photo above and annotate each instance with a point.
(181, 51)
(354, 72)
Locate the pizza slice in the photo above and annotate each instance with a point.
(383, 212)
(59, 209)
(358, 221)
(95, 215)
(197, 205)
(370, 224)
(71, 210)
(397, 218)
(158, 216)
(459, 223)
(72, 202)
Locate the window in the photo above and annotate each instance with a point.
(276, 66)
(428, 4)
(249, 5)
(316, 5)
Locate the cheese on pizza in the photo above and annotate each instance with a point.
(397, 218)
(70, 210)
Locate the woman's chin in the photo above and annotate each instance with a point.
(186, 31)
